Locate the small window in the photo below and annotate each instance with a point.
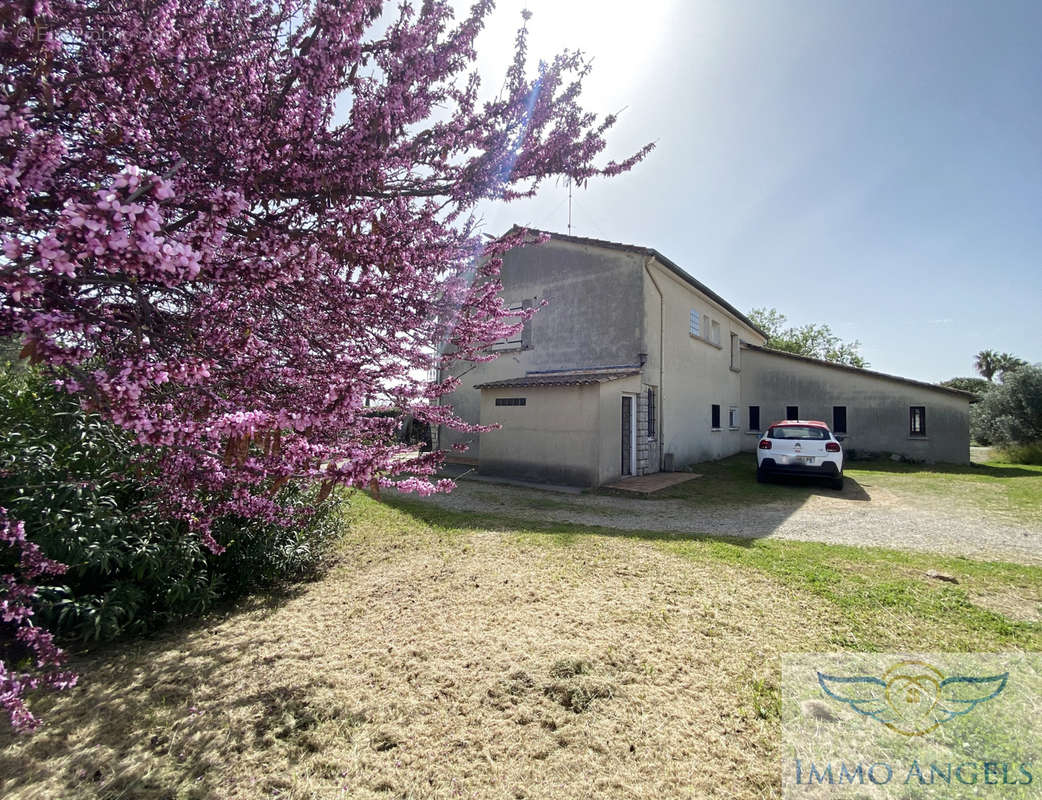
(732, 417)
(839, 419)
(736, 352)
(754, 418)
(917, 421)
(714, 332)
(651, 413)
(792, 412)
(694, 323)
(716, 416)
(510, 401)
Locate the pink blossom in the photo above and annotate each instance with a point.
(256, 242)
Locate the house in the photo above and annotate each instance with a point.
(633, 366)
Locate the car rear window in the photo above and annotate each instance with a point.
(797, 432)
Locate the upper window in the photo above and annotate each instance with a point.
(516, 341)
(714, 332)
(917, 421)
(839, 419)
(736, 352)
(510, 401)
(716, 416)
(695, 323)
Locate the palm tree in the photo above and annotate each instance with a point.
(986, 363)
(1007, 363)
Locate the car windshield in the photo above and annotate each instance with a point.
(797, 432)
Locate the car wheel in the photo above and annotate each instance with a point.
(837, 483)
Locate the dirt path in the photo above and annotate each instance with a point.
(863, 514)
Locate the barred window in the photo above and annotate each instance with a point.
(652, 416)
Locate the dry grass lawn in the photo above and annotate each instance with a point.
(435, 661)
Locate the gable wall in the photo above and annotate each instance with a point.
(592, 318)
(877, 407)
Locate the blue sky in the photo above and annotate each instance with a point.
(876, 166)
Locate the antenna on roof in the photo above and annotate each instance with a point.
(569, 205)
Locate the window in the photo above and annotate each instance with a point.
(716, 417)
(732, 417)
(510, 401)
(754, 418)
(736, 353)
(651, 413)
(839, 419)
(694, 323)
(714, 333)
(792, 412)
(917, 421)
(517, 342)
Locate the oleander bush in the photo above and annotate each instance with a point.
(76, 482)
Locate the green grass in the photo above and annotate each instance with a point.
(880, 599)
(994, 487)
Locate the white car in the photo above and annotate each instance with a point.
(800, 447)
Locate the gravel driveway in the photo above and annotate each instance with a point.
(861, 515)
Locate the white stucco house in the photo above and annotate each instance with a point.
(634, 366)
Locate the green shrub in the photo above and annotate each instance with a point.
(1030, 453)
(1011, 412)
(76, 482)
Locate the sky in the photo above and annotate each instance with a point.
(874, 166)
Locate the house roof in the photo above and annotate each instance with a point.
(649, 251)
(860, 371)
(577, 377)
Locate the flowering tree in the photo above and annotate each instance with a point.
(21, 641)
(227, 224)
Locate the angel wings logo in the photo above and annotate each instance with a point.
(912, 697)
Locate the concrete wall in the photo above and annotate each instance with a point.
(877, 407)
(553, 438)
(592, 319)
(691, 372)
(566, 434)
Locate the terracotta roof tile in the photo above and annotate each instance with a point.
(571, 378)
